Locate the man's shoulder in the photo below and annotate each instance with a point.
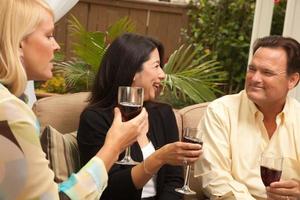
(228, 101)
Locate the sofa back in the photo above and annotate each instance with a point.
(62, 112)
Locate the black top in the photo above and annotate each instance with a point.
(94, 124)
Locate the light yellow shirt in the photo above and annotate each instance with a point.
(235, 137)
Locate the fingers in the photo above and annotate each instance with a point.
(117, 115)
(140, 118)
(190, 146)
(284, 189)
(284, 184)
(179, 153)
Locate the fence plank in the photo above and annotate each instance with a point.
(160, 20)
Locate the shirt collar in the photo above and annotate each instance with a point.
(254, 110)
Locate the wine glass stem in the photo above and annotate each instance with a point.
(187, 175)
(127, 153)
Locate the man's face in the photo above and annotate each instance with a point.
(267, 82)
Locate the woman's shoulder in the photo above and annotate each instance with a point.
(158, 105)
(14, 110)
(93, 111)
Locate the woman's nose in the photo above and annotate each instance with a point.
(55, 45)
(161, 74)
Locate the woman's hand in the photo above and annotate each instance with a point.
(284, 190)
(179, 153)
(121, 135)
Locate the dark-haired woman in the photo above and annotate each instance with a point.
(135, 60)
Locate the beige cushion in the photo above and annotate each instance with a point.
(61, 112)
(191, 115)
(61, 151)
(178, 121)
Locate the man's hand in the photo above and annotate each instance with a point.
(284, 190)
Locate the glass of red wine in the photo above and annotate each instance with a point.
(190, 135)
(270, 168)
(130, 102)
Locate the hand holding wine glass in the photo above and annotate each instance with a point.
(190, 135)
(130, 102)
(270, 168)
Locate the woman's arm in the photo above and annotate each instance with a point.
(91, 136)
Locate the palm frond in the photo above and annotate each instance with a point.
(76, 72)
(89, 46)
(124, 25)
(193, 79)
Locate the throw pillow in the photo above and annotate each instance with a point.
(61, 151)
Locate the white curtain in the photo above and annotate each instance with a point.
(262, 21)
(60, 8)
(292, 29)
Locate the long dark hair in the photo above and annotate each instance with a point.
(122, 60)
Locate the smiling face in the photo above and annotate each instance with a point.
(38, 50)
(267, 82)
(150, 77)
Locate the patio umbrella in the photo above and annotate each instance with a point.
(61, 7)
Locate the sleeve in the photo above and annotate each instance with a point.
(173, 175)
(88, 183)
(34, 179)
(91, 135)
(24, 168)
(216, 164)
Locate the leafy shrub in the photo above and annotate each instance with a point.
(54, 85)
(222, 29)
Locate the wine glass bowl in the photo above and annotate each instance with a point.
(190, 135)
(130, 103)
(270, 168)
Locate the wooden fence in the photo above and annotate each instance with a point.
(161, 20)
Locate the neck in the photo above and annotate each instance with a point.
(270, 112)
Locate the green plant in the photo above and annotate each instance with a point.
(89, 48)
(190, 79)
(222, 29)
(278, 17)
(54, 85)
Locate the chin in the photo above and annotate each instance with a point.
(46, 77)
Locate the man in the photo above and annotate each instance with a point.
(262, 119)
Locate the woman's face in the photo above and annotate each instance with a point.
(150, 77)
(38, 50)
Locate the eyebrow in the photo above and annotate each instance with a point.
(156, 61)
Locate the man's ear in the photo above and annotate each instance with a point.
(293, 80)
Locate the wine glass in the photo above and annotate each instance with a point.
(191, 135)
(270, 168)
(130, 102)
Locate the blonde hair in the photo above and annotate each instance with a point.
(18, 19)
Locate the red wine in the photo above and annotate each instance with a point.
(269, 175)
(129, 110)
(193, 140)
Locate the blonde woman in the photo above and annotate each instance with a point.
(27, 48)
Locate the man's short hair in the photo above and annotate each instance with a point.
(289, 45)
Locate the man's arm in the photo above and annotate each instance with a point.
(216, 166)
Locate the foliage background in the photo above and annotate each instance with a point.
(222, 29)
(219, 32)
